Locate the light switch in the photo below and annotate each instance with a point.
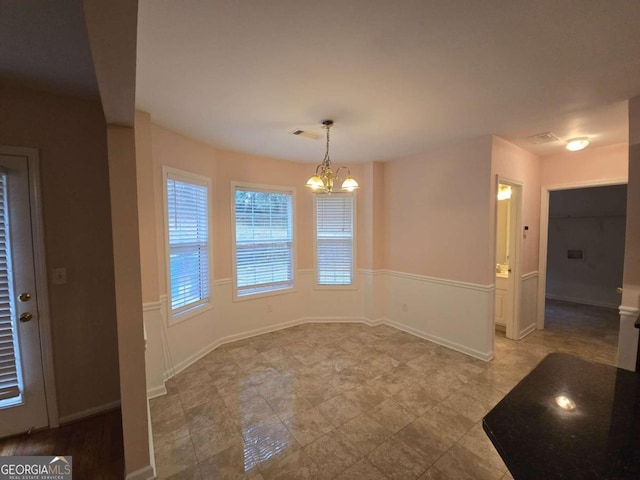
(59, 276)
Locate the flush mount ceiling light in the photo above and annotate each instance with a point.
(324, 178)
(576, 144)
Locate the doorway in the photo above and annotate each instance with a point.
(584, 264)
(507, 249)
(23, 313)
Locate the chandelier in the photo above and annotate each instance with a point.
(325, 178)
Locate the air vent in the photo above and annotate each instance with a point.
(545, 137)
(306, 134)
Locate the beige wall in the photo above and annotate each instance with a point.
(163, 147)
(128, 295)
(515, 163)
(147, 222)
(588, 165)
(71, 136)
(437, 216)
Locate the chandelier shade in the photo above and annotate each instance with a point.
(324, 179)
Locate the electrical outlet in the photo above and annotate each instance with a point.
(405, 307)
(269, 308)
(59, 276)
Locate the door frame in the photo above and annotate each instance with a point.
(515, 246)
(544, 231)
(40, 267)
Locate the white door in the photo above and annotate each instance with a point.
(22, 395)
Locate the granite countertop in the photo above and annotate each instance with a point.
(569, 419)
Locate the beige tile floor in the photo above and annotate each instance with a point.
(349, 401)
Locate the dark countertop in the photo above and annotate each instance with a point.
(599, 438)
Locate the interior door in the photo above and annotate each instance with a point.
(22, 395)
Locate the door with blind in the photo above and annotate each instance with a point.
(22, 395)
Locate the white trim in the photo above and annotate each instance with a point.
(187, 362)
(152, 306)
(627, 338)
(41, 278)
(530, 275)
(89, 412)
(156, 392)
(527, 331)
(144, 473)
(440, 281)
(294, 234)
(368, 271)
(152, 450)
(628, 311)
(486, 356)
(544, 232)
(204, 181)
(356, 319)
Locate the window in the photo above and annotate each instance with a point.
(334, 239)
(187, 209)
(10, 371)
(263, 231)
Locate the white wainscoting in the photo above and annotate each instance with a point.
(458, 315)
(628, 338)
(528, 304)
(153, 318)
(145, 473)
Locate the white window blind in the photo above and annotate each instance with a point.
(10, 380)
(264, 241)
(188, 233)
(334, 239)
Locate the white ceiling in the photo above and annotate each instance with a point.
(397, 76)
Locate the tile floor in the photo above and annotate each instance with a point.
(349, 401)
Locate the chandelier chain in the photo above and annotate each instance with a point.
(326, 155)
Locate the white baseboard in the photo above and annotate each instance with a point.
(228, 339)
(527, 331)
(485, 356)
(144, 473)
(89, 412)
(364, 320)
(156, 391)
(581, 301)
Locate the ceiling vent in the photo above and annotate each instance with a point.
(306, 134)
(545, 137)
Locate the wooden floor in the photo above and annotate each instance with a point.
(95, 445)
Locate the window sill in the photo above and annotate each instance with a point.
(187, 314)
(335, 287)
(255, 296)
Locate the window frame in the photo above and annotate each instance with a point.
(193, 178)
(354, 279)
(256, 187)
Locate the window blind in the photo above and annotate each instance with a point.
(264, 241)
(334, 239)
(188, 225)
(9, 364)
